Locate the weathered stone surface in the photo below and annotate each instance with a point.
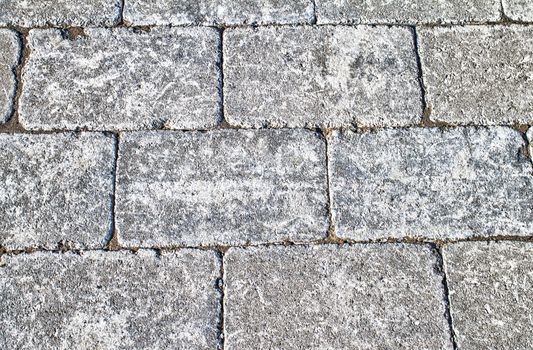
(229, 12)
(407, 11)
(478, 74)
(529, 136)
(518, 10)
(81, 13)
(320, 76)
(121, 79)
(55, 187)
(229, 186)
(329, 297)
(109, 300)
(9, 54)
(431, 183)
(491, 293)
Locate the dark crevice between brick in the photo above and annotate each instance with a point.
(73, 33)
(121, 22)
(112, 235)
(440, 269)
(313, 19)
(222, 123)
(220, 284)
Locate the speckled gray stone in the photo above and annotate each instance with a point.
(478, 74)
(330, 297)
(431, 183)
(121, 79)
(55, 187)
(81, 13)
(228, 12)
(320, 76)
(491, 294)
(407, 11)
(518, 10)
(9, 54)
(529, 136)
(221, 187)
(109, 300)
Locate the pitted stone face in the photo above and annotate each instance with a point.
(9, 56)
(518, 10)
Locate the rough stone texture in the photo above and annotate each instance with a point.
(55, 187)
(228, 186)
(479, 74)
(228, 12)
(491, 293)
(9, 54)
(529, 136)
(328, 297)
(81, 13)
(431, 183)
(320, 76)
(121, 79)
(109, 300)
(407, 11)
(518, 10)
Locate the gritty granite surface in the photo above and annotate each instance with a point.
(9, 55)
(518, 10)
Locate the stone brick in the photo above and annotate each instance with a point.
(121, 79)
(330, 297)
(407, 11)
(81, 13)
(221, 187)
(9, 54)
(431, 183)
(491, 293)
(518, 10)
(478, 74)
(529, 136)
(320, 76)
(55, 187)
(109, 300)
(214, 12)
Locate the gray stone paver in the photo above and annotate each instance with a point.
(431, 183)
(407, 11)
(478, 74)
(109, 300)
(55, 187)
(491, 293)
(211, 12)
(332, 297)
(518, 10)
(80, 13)
(221, 187)
(320, 76)
(9, 54)
(121, 79)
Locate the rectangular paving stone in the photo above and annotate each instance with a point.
(328, 76)
(334, 297)
(407, 11)
(491, 294)
(9, 55)
(478, 74)
(431, 183)
(216, 12)
(221, 187)
(55, 187)
(110, 300)
(518, 10)
(121, 79)
(80, 13)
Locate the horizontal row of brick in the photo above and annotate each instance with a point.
(306, 76)
(239, 186)
(295, 297)
(237, 12)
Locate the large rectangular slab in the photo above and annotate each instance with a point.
(491, 294)
(78, 13)
(216, 12)
(431, 183)
(333, 297)
(121, 79)
(55, 187)
(9, 55)
(221, 187)
(109, 300)
(407, 11)
(478, 74)
(518, 10)
(321, 76)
